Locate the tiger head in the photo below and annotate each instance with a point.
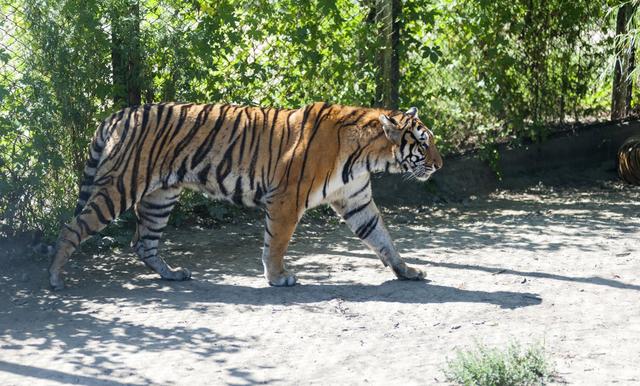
(414, 144)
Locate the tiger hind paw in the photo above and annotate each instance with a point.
(285, 279)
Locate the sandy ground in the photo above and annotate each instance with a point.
(560, 267)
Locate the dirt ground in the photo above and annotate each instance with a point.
(559, 267)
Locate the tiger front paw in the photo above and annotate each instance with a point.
(56, 281)
(409, 273)
(283, 279)
(176, 274)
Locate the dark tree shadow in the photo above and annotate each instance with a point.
(59, 376)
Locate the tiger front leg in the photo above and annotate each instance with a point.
(279, 227)
(361, 214)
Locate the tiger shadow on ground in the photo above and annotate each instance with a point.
(220, 276)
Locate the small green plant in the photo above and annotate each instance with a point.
(483, 366)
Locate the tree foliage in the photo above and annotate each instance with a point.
(478, 70)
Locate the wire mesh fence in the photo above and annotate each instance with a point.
(205, 50)
(478, 71)
(14, 46)
(65, 64)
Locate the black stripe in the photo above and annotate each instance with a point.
(306, 201)
(92, 163)
(346, 170)
(255, 152)
(183, 170)
(123, 134)
(84, 195)
(78, 209)
(123, 198)
(206, 145)
(75, 232)
(74, 245)
(170, 136)
(98, 212)
(243, 137)
(109, 202)
(361, 189)
(365, 230)
(305, 116)
(85, 227)
(136, 160)
(200, 121)
(152, 217)
(160, 137)
(226, 165)
(356, 210)
(270, 152)
(155, 230)
(184, 109)
(316, 125)
(151, 205)
(86, 177)
(147, 217)
(124, 137)
(237, 192)
(203, 174)
(258, 195)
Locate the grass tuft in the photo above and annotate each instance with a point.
(485, 366)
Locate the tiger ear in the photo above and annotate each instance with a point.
(390, 129)
(412, 112)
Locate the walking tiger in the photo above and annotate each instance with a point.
(284, 161)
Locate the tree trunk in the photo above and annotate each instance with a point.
(625, 63)
(125, 54)
(387, 16)
(630, 67)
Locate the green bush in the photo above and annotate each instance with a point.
(515, 366)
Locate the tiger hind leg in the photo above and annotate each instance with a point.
(153, 213)
(100, 210)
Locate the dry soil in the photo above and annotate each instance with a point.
(560, 267)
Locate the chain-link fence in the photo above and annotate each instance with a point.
(242, 51)
(14, 46)
(478, 72)
(67, 64)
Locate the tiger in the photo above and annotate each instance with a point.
(629, 161)
(284, 161)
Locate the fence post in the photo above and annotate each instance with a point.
(624, 63)
(387, 17)
(126, 53)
